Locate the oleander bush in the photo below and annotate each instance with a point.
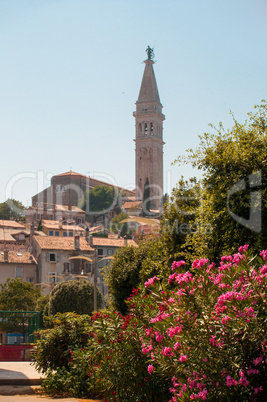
(199, 334)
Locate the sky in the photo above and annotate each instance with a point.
(71, 70)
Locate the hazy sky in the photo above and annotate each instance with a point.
(71, 72)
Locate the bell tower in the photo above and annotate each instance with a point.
(149, 136)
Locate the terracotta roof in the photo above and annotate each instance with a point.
(70, 173)
(55, 225)
(103, 241)
(131, 204)
(60, 243)
(66, 208)
(23, 257)
(11, 224)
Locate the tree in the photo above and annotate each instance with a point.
(117, 226)
(132, 266)
(16, 295)
(12, 210)
(146, 199)
(99, 200)
(73, 296)
(233, 208)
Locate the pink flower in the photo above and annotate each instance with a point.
(243, 249)
(230, 381)
(177, 264)
(151, 281)
(258, 360)
(183, 358)
(166, 351)
(150, 369)
(263, 270)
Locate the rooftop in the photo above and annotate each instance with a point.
(23, 257)
(60, 243)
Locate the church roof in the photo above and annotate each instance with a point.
(149, 90)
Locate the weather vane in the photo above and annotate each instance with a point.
(150, 53)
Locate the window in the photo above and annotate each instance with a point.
(100, 251)
(30, 280)
(79, 220)
(52, 257)
(70, 234)
(56, 233)
(60, 188)
(65, 234)
(50, 233)
(68, 267)
(110, 252)
(88, 268)
(18, 272)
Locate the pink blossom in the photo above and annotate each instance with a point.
(177, 264)
(151, 281)
(183, 358)
(166, 351)
(243, 249)
(258, 360)
(263, 254)
(150, 369)
(263, 270)
(200, 263)
(230, 381)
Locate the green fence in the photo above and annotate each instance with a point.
(23, 323)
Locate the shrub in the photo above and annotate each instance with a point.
(207, 328)
(73, 296)
(200, 334)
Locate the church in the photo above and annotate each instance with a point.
(68, 188)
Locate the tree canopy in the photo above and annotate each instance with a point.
(16, 295)
(233, 207)
(12, 210)
(73, 296)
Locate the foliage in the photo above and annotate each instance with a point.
(67, 332)
(198, 335)
(17, 295)
(228, 160)
(116, 226)
(179, 218)
(207, 328)
(99, 200)
(73, 296)
(12, 210)
(146, 199)
(42, 306)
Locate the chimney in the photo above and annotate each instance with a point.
(6, 255)
(125, 241)
(77, 242)
(60, 223)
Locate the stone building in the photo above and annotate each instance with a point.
(149, 136)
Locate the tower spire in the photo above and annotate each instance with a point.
(149, 129)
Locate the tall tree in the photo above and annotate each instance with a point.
(234, 204)
(146, 199)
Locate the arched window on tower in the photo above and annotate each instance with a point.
(140, 128)
(151, 128)
(145, 128)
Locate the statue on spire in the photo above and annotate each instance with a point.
(150, 53)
